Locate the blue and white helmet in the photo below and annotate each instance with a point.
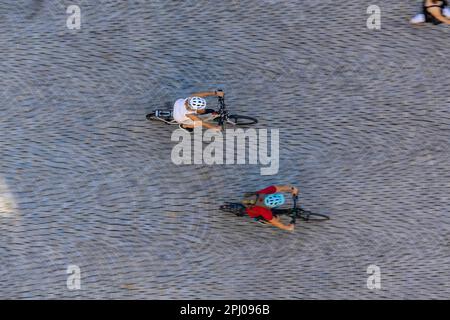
(274, 200)
(197, 103)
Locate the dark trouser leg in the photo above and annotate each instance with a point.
(187, 128)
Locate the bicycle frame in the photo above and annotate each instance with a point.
(163, 114)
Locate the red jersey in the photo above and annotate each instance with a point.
(260, 211)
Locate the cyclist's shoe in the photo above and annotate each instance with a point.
(190, 130)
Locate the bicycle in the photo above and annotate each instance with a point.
(222, 118)
(294, 213)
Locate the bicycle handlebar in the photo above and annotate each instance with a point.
(293, 217)
(222, 109)
(221, 99)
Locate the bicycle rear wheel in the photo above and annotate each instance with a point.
(151, 116)
(312, 217)
(233, 207)
(237, 120)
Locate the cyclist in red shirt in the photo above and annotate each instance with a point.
(266, 200)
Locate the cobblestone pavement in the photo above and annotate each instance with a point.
(85, 179)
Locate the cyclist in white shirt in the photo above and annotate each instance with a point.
(186, 111)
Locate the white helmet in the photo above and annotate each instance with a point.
(197, 103)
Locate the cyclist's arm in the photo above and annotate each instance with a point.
(436, 12)
(287, 188)
(275, 189)
(203, 111)
(277, 223)
(205, 94)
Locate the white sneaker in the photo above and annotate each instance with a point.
(446, 12)
(418, 18)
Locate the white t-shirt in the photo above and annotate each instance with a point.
(180, 112)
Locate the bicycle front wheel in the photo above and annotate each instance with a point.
(312, 217)
(237, 120)
(151, 116)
